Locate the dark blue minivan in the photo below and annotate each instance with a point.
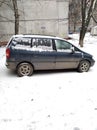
(26, 53)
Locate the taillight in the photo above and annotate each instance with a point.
(7, 53)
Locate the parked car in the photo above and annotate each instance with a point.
(26, 53)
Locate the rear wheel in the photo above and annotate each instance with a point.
(24, 69)
(84, 66)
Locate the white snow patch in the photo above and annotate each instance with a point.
(50, 101)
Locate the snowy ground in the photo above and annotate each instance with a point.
(50, 100)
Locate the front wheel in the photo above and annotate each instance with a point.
(84, 66)
(24, 69)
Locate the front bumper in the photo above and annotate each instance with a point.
(92, 62)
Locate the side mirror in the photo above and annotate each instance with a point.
(72, 49)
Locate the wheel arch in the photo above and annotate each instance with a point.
(84, 60)
(25, 62)
(84, 65)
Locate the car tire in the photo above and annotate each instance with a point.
(25, 69)
(84, 66)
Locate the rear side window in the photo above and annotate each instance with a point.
(42, 44)
(21, 42)
(35, 44)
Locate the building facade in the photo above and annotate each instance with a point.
(49, 17)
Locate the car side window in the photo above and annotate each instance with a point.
(41, 44)
(62, 45)
(21, 42)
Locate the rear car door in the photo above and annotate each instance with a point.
(65, 57)
(43, 56)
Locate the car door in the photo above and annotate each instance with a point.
(43, 54)
(65, 57)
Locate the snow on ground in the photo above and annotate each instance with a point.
(61, 100)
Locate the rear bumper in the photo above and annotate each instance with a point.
(11, 65)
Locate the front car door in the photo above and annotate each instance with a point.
(65, 57)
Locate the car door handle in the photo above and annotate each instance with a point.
(35, 56)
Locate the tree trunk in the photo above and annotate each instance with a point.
(82, 31)
(16, 14)
(82, 35)
(16, 23)
(74, 25)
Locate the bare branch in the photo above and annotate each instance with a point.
(2, 2)
(94, 18)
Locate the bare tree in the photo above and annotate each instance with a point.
(12, 4)
(74, 14)
(16, 14)
(87, 7)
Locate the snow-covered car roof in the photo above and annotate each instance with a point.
(39, 36)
